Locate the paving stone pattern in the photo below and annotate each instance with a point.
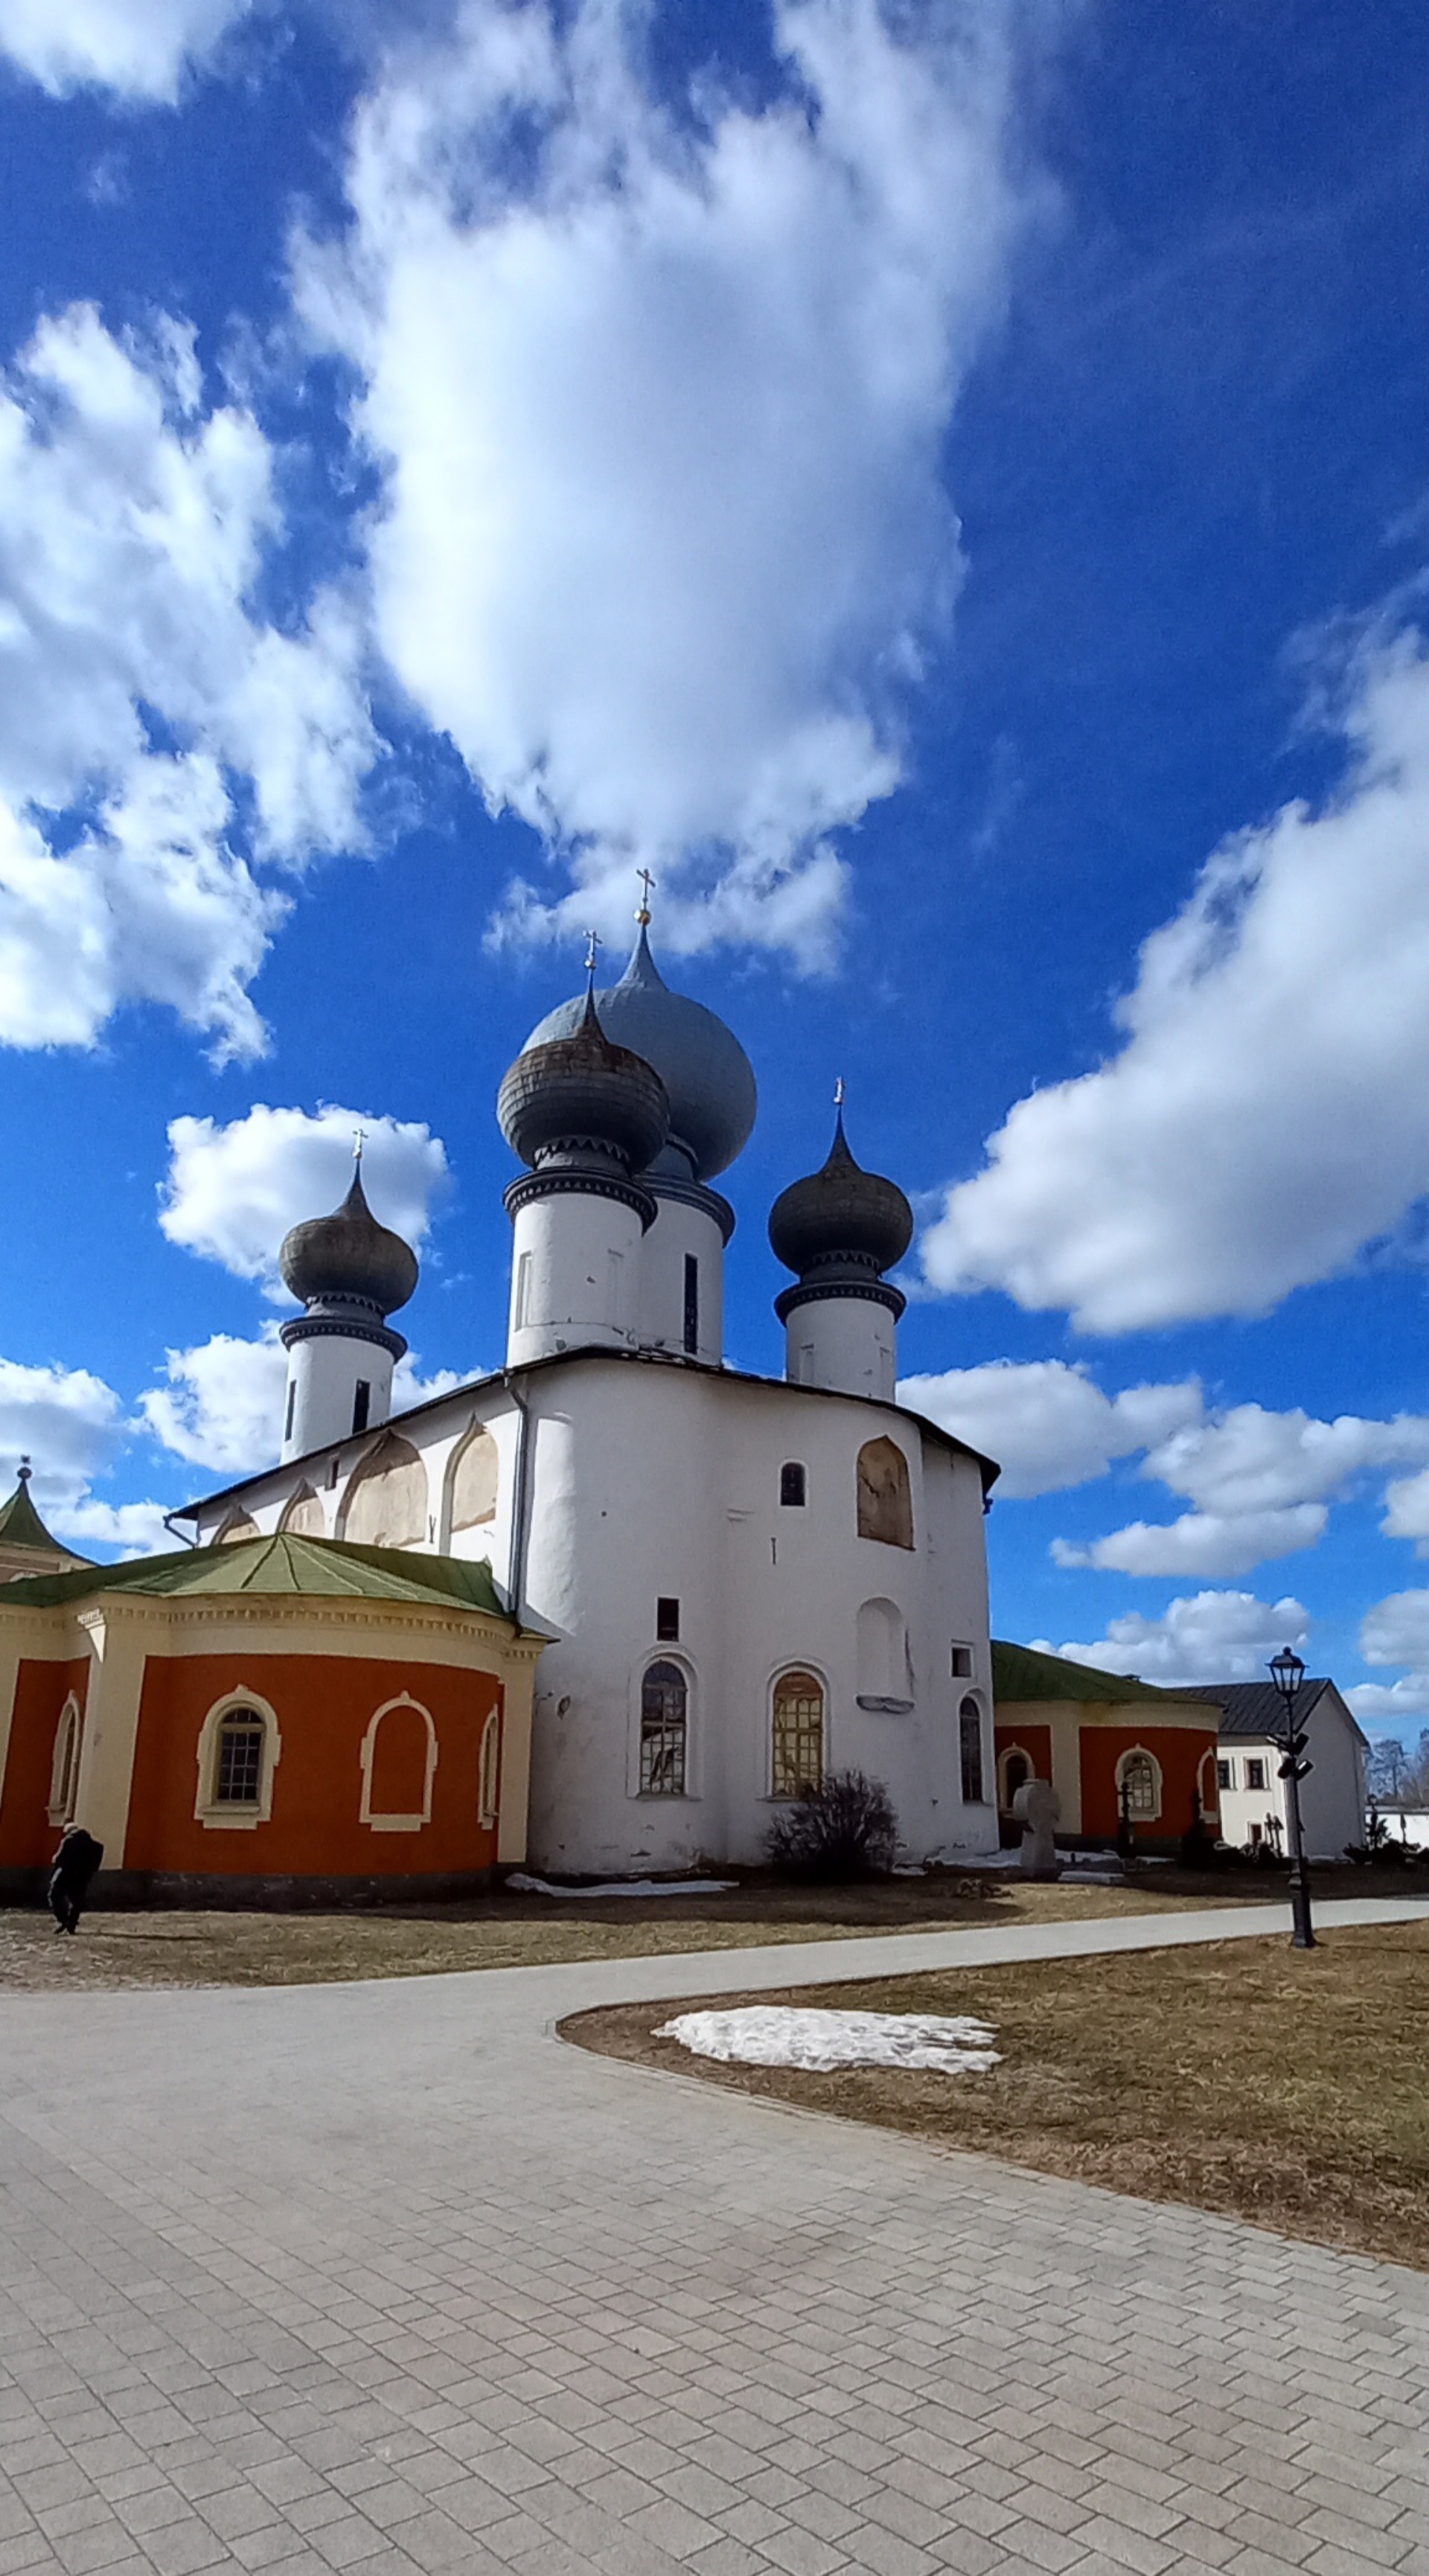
(386, 2278)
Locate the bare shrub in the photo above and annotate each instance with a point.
(844, 1829)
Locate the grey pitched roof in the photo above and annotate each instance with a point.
(1256, 1709)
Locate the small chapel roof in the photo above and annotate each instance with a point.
(319, 1568)
(1025, 1673)
(21, 1525)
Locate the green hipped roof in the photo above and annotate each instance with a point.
(321, 1568)
(1021, 1673)
(21, 1525)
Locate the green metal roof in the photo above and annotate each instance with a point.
(318, 1568)
(21, 1525)
(1021, 1673)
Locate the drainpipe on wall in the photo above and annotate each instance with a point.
(516, 1570)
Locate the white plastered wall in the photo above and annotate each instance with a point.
(682, 1232)
(1332, 1797)
(575, 1275)
(846, 1342)
(324, 1370)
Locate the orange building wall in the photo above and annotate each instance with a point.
(27, 1838)
(323, 1705)
(1034, 1740)
(1178, 1749)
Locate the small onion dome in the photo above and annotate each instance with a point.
(840, 1215)
(706, 1073)
(349, 1257)
(575, 1098)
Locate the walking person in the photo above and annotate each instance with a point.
(71, 1872)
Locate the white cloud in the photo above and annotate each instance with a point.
(139, 48)
(1267, 1114)
(221, 1406)
(1260, 1482)
(1208, 1637)
(661, 406)
(232, 1192)
(1199, 1542)
(133, 526)
(130, 1529)
(70, 1423)
(1395, 1631)
(1049, 1425)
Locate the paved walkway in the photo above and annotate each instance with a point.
(383, 2277)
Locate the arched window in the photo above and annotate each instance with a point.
(237, 1526)
(664, 1722)
(885, 1499)
(797, 1735)
(475, 1473)
(238, 1764)
(304, 1515)
(883, 1681)
(1014, 1770)
(64, 1769)
(398, 1758)
(1138, 1785)
(386, 1502)
(793, 1486)
(488, 1771)
(238, 1752)
(970, 1750)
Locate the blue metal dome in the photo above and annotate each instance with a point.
(705, 1071)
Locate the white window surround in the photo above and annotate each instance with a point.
(387, 1824)
(1141, 1753)
(662, 1652)
(64, 1769)
(229, 1817)
(488, 1771)
(788, 1665)
(1012, 1753)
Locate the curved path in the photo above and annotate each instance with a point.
(382, 2277)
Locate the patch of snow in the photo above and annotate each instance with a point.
(525, 1886)
(782, 2035)
(982, 1860)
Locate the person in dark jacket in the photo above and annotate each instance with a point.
(71, 1872)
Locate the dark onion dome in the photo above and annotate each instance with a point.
(575, 1100)
(841, 1219)
(707, 1075)
(349, 1258)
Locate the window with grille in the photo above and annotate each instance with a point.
(798, 1737)
(793, 1486)
(664, 1714)
(1140, 1786)
(1225, 1777)
(239, 1775)
(970, 1748)
(1255, 1775)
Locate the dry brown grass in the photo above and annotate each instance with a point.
(252, 1949)
(1287, 2087)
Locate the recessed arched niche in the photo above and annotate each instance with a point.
(475, 1480)
(304, 1515)
(387, 1499)
(885, 1498)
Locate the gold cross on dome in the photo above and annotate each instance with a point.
(647, 882)
(593, 941)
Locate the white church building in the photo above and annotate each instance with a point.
(743, 1582)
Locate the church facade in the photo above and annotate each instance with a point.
(671, 1594)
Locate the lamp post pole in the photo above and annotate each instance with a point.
(1287, 1672)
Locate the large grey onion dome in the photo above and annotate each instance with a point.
(567, 1099)
(841, 1218)
(707, 1076)
(349, 1258)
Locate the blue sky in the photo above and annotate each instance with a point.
(948, 487)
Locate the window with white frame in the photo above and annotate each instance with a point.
(797, 1735)
(1254, 1773)
(64, 1769)
(1225, 1775)
(488, 1771)
(238, 1751)
(1138, 1781)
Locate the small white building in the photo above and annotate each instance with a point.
(1250, 1752)
(745, 1581)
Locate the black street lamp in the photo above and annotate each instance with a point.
(1287, 1672)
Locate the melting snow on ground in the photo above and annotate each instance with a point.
(521, 1885)
(780, 2035)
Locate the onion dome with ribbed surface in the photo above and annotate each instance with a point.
(708, 1078)
(349, 1258)
(841, 1220)
(578, 1099)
